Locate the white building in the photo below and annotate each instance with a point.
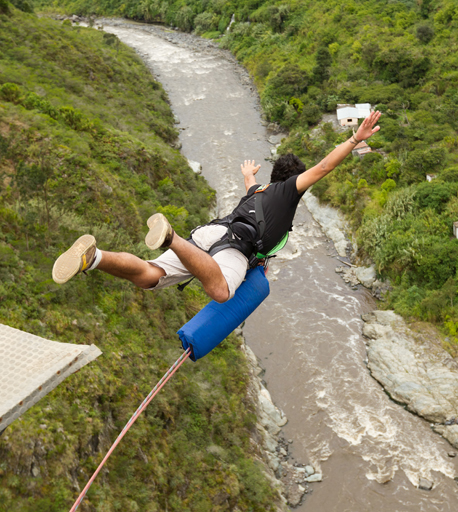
(348, 115)
(455, 229)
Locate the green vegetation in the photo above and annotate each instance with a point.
(401, 55)
(85, 146)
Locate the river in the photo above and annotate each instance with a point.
(307, 334)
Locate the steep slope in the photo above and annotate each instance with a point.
(85, 146)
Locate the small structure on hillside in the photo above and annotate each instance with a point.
(361, 149)
(348, 115)
(30, 367)
(431, 177)
(455, 229)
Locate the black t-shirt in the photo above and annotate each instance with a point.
(279, 204)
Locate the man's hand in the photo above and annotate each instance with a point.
(331, 161)
(366, 128)
(249, 169)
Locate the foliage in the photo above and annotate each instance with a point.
(85, 136)
(425, 33)
(4, 8)
(23, 5)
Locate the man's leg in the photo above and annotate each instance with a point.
(145, 275)
(203, 266)
(127, 266)
(196, 261)
(83, 255)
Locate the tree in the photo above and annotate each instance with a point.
(323, 61)
(23, 5)
(288, 82)
(419, 163)
(433, 195)
(112, 40)
(184, 19)
(369, 52)
(4, 8)
(425, 33)
(33, 179)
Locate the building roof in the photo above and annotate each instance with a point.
(360, 110)
(363, 151)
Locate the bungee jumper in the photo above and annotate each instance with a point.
(221, 252)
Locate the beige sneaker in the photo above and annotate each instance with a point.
(77, 259)
(160, 232)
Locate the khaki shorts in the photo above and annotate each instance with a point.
(233, 263)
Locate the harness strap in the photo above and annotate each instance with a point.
(252, 249)
(260, 221)
(182, 286)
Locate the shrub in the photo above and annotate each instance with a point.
(297, 104)
(224, 23)
(433, 195)
(184, 19)
(23, 5)
(4, 8)
(289, 81)
(74, 118)
(10, 92)
(206, 22)
(311, 114)
(389, 185)
(425, 33)
(450, 174)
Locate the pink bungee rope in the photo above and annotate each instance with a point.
(132, 420)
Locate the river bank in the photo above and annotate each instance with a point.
(292, 481)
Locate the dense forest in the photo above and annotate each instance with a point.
(399, 55)
(86, 145)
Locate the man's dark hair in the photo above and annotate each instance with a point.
(285, 167)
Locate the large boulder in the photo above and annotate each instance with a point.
(331, 221)
(366, 276)
(414, 370)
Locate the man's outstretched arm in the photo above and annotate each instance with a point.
(331, 161)
(248, 171)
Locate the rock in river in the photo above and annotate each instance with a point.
(365, 275)
(413, 370)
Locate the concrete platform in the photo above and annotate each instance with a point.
(30, 367)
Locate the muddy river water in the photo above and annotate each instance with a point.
(307, 334)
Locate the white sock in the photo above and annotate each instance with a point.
(97, 259)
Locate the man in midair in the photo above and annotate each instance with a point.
(219, 253)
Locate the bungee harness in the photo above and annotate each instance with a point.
(242, 234)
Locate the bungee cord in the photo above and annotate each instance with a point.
(132, 420)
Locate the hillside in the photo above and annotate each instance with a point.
(86, 145)
(400, 55)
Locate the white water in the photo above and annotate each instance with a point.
(307, 333)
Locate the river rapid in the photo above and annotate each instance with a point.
(307, 334)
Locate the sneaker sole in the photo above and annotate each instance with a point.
(158, 228)
(68, 264)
